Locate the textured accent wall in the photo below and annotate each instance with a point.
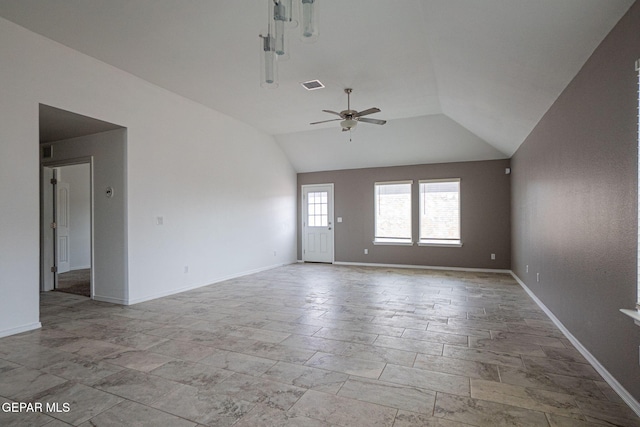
(574, 204)
(485, 214)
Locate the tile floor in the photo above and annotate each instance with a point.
(308, 345)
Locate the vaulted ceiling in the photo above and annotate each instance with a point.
(457, 80)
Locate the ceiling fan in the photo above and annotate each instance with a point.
(350, 118)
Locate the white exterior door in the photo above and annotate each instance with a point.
(62, 227)
(317, 223)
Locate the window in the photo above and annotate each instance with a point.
(393, 212)
(638, 268)
(317, 209)
(440, 212)
(635, 314)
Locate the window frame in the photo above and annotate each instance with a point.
(399, 241)
(439, 242)
(635, 314)
(637, 67)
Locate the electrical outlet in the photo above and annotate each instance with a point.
(186, 269)
(493, 256)
(366, 251)
(527, 269)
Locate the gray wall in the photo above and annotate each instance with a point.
(485, 214)
(574, 204)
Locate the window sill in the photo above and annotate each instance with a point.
(441, 243)
(634, 314)
(393, 242)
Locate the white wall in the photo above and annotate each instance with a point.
(78, 178)
(107, 151)
(226, 191)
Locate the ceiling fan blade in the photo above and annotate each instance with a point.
(367, 112)
(333, 112)
(325, 121)
(374, 121)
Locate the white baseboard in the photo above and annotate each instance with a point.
(424, 267)
(146, 298)
(20, 329)
(112, 300)
(196, 286)
(615, 385)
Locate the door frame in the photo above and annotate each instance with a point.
(48, 251)
(303, 218)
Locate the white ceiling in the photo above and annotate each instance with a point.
(457, 80)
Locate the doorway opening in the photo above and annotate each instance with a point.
(79, 234)
(67, 195)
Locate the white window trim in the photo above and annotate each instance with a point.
(635, 314)
(638, 135)
(442, 243)
(392, 241)
(406, 181)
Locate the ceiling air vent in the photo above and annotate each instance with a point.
(312, 85)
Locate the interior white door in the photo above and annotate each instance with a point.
(317, 223)
(62, 227)
(48, 233)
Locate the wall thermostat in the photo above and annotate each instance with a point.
(109, 192)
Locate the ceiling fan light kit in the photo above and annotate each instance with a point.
(349, 118)
(274, 45)
(348, 124)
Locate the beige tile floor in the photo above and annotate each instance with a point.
(308, 345)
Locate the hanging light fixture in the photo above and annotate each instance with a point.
(308, 19)
(274, 45)
(279, 19)
(268, 62)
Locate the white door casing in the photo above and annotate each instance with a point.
(317, 223)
